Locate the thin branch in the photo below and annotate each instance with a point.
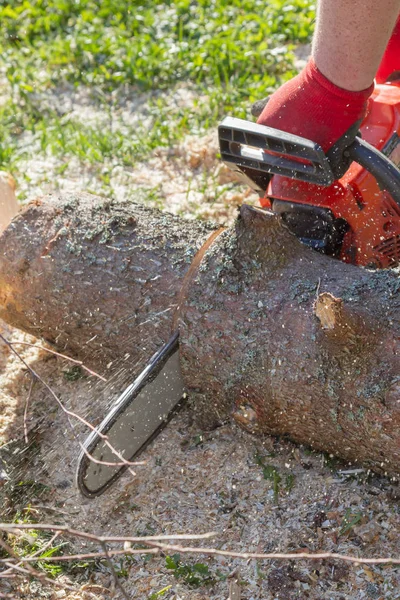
(33, 558)
(26, 410)
(16, 528)
(47, 545)
(40, 576)
(124, 463)
(156, 542)
(73, 360)
(29, 570)
(5, 574)
(276, 555)
(89, 555)
(70, 414)
(38, 507)
(117, 582)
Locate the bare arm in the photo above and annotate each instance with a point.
(350, 39)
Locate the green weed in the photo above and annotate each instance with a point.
(289, 482)
(349, 520)
(73, 373)
(36, 544)
(160, 593)
(193, 575)
(271, 474)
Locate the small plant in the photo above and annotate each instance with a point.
(198, 440)
(51, 568)
(289, 482)
(193, 575)
(271, 474)
(36, 544)
(349, 520)
(73, 373)
(160, 593)
(332, 462)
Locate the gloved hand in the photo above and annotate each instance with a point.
(313, 107)
(390, 64)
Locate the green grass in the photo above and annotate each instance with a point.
(160, 593)
(147, 44)
(36, 543)
(233, 51)
(193, 575)
(350, 519)
(271, 473)
(41, 545)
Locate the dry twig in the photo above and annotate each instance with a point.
(276, 555)
(26, 410)
(73, 360)
(70, 414)
(12, 566)
(155, 542)
(117, 582)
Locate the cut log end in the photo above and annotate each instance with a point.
(8, 202)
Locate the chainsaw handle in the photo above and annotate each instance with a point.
(257, 152)
(385, 172)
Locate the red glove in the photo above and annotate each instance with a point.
(391, 59)
(313, 107)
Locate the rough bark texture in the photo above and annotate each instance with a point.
(96, 278)
(288, 341)
(295, 343)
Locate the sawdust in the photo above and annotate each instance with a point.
(195, 482)
(186, 179)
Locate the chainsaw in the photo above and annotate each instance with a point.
(354, 217)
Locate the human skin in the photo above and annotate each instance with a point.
(350, 39)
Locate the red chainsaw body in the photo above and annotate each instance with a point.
(372, 233)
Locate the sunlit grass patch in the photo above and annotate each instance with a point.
(228, 53)
(146, 44)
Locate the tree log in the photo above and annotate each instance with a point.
(286, 340)
(95, 278)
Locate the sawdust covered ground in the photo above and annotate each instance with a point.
(196, 482)
(258, 495)
(185, 179)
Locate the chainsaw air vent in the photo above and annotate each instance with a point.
(390, 248)
(389, 207)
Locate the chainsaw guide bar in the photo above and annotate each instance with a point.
(137, 417)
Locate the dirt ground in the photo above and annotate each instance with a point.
(194, 482)
(256, 494)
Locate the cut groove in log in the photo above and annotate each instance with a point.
(286, 340)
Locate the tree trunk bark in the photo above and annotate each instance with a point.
(286, 340)
(95, 278)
